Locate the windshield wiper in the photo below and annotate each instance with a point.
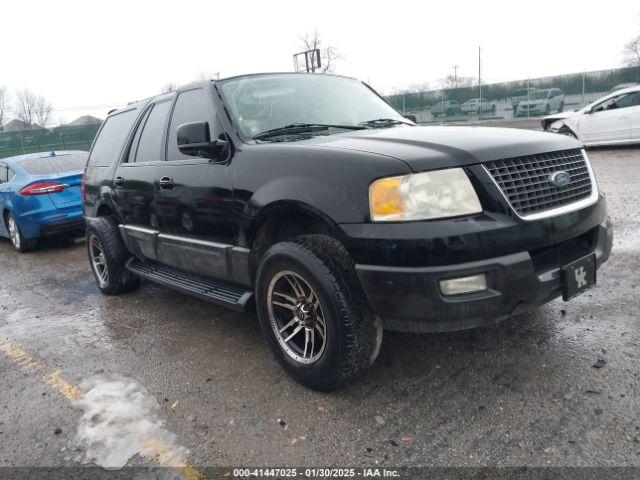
(383, 122)
(295, 128)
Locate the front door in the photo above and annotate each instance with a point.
(133, 182)
(634, 118)
(193, 197)
(608, 120)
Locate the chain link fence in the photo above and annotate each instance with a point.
(530, 98)
(66, 137)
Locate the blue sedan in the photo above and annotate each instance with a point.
(41, 195)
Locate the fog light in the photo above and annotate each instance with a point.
(461, 285)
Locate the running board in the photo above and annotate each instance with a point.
(222, 293)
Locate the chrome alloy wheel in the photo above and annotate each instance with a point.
(14, 232)
(98, 261)
(296, 317)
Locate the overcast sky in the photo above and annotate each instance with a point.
(87, 57)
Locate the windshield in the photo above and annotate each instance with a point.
(264, 102)
(539, 95)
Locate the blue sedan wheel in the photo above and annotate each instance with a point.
(20, 243)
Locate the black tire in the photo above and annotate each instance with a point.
(103, 232)
(18, 240)
(353, 334)
(561, 107)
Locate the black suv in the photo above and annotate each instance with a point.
(312, 199)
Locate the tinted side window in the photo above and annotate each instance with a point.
(131, 156)
(191, 106)
(150, 146)
(110, 138)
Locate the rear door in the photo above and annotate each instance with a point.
(4, 178)
(194, 196)
(133, 182)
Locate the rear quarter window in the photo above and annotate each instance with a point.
(52, 165)
(110, 138)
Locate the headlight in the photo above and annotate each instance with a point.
(423, 196)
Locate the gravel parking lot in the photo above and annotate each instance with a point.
(558, 386)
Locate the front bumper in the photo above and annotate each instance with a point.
(408, 298)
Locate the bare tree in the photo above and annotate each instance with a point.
(452, 81)
(329, 54)
(43, 109)
(168, 87)
(33, 108)
(4, 100)
(26, 106)
(631, 52)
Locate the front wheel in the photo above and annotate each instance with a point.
(20, 243)
(314, 314)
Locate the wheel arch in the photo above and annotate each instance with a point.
(280, 221)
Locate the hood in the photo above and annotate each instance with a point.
(427, 148)
(559, 115)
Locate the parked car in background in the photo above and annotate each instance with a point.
(520, 95)
(623, 86)
(613, 119)
(446, 107)
(317, 203)
(475, 105)
(40, 195)
(541, 102)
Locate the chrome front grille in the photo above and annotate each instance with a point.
(525, 182)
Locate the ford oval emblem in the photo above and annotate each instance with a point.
(560, 179)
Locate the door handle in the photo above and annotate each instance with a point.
(166, 182)
(119, 180)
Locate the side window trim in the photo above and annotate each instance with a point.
(139, 126)
(137, 133)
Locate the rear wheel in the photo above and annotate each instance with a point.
(20, 243)
(108, 256)
(313, 312)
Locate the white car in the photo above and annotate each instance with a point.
(541, 102)
(613, 119)
(475, 105)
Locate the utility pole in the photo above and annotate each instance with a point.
(480, 77)
(455, 76)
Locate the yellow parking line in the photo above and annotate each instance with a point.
(71, 392)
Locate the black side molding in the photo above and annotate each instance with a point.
(222, 293)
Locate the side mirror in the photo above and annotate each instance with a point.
(194, 139)
(412, 118)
